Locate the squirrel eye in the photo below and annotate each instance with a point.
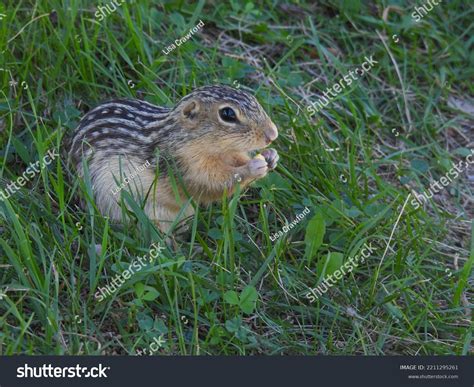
(228, 114)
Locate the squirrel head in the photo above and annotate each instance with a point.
(228, 119)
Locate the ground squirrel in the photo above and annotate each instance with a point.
(206, 137)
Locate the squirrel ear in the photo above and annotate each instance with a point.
(191, 109)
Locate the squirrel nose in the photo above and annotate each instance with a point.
(271, 134)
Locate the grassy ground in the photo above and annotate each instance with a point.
(228, 288)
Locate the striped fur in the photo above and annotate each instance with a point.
(206, 154)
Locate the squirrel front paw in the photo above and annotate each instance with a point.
(258, 167)
(271, 157)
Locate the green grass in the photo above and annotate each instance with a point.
(396, 133)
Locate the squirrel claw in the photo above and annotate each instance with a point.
(258, 167)
(271, 157)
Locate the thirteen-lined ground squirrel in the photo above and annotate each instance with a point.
(206, 138)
